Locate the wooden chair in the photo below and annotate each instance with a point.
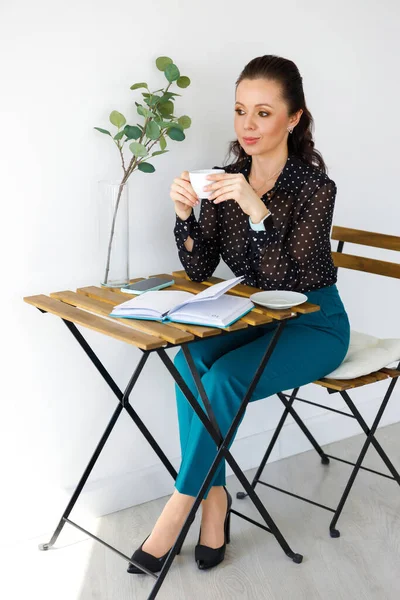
(369, 265)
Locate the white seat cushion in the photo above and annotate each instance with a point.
(366, 354)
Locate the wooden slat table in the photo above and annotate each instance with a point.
(89, 307)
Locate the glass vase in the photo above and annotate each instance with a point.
(114, 233)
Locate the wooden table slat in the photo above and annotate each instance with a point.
(101, 307)
(254, 318)
(305, 308)
(94, 322)
(114, 298)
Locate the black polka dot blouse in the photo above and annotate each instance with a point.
(294, 251)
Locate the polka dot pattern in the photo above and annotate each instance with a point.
(294, 251)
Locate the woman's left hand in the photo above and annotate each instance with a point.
(233, 186)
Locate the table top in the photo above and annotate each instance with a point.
(90, 306)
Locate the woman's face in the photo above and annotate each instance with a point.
(261, 113)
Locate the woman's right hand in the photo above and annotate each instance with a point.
(183, 196)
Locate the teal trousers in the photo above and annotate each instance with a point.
(309, 348)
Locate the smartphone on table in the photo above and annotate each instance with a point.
(149, 284)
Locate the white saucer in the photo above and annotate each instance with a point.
(278, 298)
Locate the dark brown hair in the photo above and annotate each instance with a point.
(286, 74)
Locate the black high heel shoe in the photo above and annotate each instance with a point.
(152, 563)
(207, 557)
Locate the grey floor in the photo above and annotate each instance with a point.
(364, 563)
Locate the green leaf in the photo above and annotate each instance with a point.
(159, 152)
(119, 135)
(171, 72)
(143, 111)
(168, 96)
(176, 134)
(185, 121)
(168, 124)
(163, 142)
(152, 130)
(138, 149)
(132, 132)
(162, 62)
(166, 108)
(177, 125)
(183, 82)
(146, 167)
(135, 86)
(154, 100)
(117, 119)
(102, 130)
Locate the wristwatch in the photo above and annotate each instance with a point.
(259, 226)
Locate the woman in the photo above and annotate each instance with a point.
(269, 217)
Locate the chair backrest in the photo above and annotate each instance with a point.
(365, 238)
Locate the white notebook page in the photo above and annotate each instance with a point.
(159, 300)
(217, 309)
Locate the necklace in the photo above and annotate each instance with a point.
(262, 185)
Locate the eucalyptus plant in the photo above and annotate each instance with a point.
(157, 110)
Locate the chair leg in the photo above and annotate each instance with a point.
(288, 410)
(334, 532)
(304, 428)
(371, 431)
(256, 478)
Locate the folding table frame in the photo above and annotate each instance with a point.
(89, 307)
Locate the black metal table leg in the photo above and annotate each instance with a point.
(83, 479)
(123, 398)
(209, 422)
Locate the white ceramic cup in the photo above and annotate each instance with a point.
(198, 181)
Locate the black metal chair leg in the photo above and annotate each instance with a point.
(367, 431)
(242, 495)
(334, 532)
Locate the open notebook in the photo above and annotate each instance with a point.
(211, 307)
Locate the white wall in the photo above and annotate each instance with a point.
(65, 66)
